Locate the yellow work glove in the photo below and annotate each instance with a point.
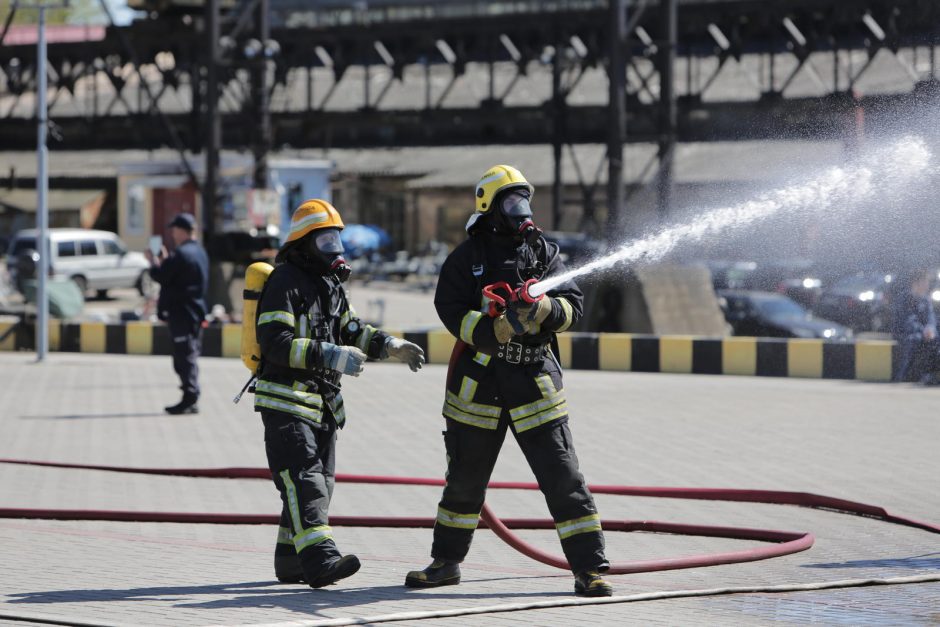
(540, 310)
(503, 329)
(534, 315)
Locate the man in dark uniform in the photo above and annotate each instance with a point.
(183, 276)
(914, 327)
(505, 375)
(310, 336)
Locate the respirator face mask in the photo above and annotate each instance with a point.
(327, 248)
(517, 215)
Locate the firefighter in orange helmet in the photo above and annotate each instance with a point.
(310, 337)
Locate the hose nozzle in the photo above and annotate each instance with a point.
(524, 293)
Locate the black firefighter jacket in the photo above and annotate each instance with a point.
(297, 312)
(481, 385)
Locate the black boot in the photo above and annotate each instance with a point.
(185, 406)
(589, 583)
(287, 569)
(439, 573)
(341, 568)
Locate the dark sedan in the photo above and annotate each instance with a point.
(766, 314)
(859, 301)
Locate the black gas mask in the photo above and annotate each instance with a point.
(514, 217)
(325, 250)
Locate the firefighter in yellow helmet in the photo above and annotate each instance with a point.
(310, 337)
(505, 375)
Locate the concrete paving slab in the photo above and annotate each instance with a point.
(873, 443)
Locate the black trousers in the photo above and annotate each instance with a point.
(187, 346)
(916, 358)
(302, 460)
(472, 453)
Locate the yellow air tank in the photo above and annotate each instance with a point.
(255, 277)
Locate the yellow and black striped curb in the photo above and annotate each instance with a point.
(769, 357)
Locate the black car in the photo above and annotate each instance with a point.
(858, 301)
(768, 314)
(800, 279)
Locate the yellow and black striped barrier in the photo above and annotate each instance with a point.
(748, 356)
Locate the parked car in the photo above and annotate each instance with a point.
(859, 301)
(800, 279)
(768, 314)
(94, 260)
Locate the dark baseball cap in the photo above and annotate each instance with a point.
(185, 221)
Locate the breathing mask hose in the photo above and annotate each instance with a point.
(340, 269)
(529, 233)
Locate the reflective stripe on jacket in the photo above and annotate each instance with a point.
(297, 312)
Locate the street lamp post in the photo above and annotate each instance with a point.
(42, 179)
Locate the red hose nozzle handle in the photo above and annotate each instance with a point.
(497, 303)
(501, 295)
(523, 292)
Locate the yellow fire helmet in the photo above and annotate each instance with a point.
(312, 215)
(493, 181)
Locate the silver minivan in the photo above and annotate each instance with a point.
(95, 260)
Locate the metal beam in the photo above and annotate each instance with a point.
(616, 114)
(667, 103)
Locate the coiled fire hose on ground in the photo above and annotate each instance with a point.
(784, 542)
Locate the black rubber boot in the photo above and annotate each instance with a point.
(439, 573)
(185, 406)
(590, 584)
(345, 566)
(287, 569)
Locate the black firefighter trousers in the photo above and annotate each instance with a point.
(471, 455)
(302, 460)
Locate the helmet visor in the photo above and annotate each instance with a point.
(329, 242)
(516, 205)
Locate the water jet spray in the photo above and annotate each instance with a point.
(881, 172)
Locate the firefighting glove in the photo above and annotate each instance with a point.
(503, 329)
(405, 351)
(344, 359)
(540, 310)
(533, 315)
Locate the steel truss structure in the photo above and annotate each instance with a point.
(584, 72)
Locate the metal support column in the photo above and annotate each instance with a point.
(616, 116)
(557, 138)
(213, 121)
(259, 82)
(667, 101)
(42, 193)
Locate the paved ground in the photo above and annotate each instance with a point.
(866, 442)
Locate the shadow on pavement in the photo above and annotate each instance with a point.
(80, 416)
(927, 561)
(255, 594)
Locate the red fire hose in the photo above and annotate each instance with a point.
(786, 542)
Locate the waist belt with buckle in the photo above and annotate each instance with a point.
(516, 353)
